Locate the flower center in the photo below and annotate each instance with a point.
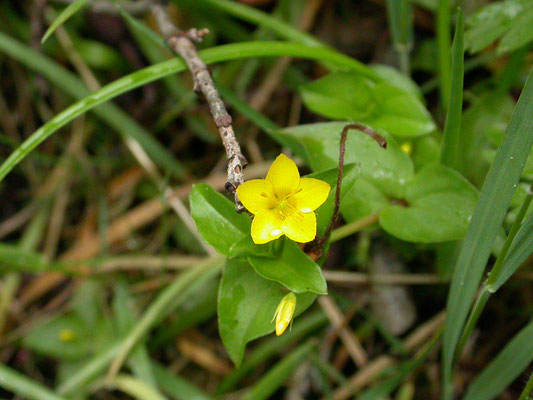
(286, 208)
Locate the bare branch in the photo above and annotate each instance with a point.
(182, 43)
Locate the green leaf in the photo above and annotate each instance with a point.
(67, 337)
(483, 123)
(111, 113)
(246, 306)
(16, 258)
(384, 172)
(440, 205)
(505, 368)
(68, 12)
(426, 151)
(510, 19)
(488, 216)
(293, 269)
(274, 378)
(177, 387)
(25, 387)
(520, 250)
(396, 78)
(116, 117)
(452, 126)
(216, 219)
(520, 32)
(340, 95)
(350, 96)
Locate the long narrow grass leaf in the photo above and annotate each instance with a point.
(117, 117)
(68, 82)
(452, 126)
(400, 16)
(520, 250)
(68, 12)
(183, 286)
(25, 387)
(278, 374)
(281, 28)
(444, 49)
(505, 368)
(136, 388)
(494, 199)
(177, 387)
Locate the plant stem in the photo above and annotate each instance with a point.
(353, 227)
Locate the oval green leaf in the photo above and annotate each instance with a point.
(246, 306)
(216, 219)
(351, 96)
(440, 203)
(293, 269)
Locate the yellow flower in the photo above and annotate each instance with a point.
(284, 313)
(283, 203)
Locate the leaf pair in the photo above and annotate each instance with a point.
(256, 277)
(433, 205)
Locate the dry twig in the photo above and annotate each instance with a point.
(182, 44)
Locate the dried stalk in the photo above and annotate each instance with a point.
(314, 249)
(182, 43)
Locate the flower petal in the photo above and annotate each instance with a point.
(256, 195)
(300, 227)
(311, 194)
(266, 226)
(284, 176)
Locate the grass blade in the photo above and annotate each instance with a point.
(135, 388)
(528, 389)
(116, 117)
(452, 127)
(281, 28)
(444, 51)
(68, 12)
(177, 387)
(23, 386)
(494, 199)
(68, 82)
(186, 283)
(278, 374)
(520, 250)
(505, 368)
(400, 15)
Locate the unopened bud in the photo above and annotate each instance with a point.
(284, 313)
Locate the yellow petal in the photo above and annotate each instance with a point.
(311, 194)
(300, 227)
(284, 176)
(266, 226)
(256, 195)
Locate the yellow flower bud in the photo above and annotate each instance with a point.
(284, 313)
(407, 148)
(67, 335)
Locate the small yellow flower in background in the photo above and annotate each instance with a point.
(284, 313)
(67, 335)
(407, 148)
(283, 203)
